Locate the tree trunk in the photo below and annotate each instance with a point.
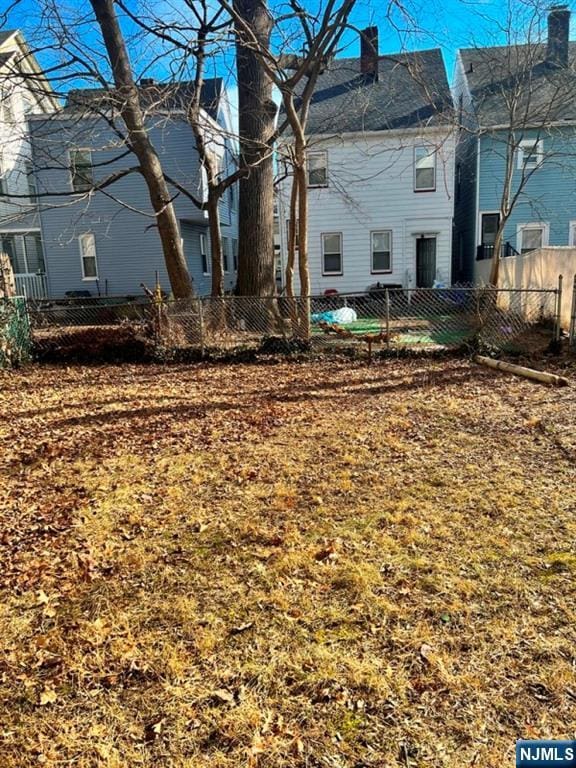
(495, 266)
(303, 271)
(257, 111)
(213, 209)
(151, 168)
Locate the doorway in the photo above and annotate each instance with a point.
(425, 262)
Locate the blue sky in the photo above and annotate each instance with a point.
(447, 24)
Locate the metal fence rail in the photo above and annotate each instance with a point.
(391, 319)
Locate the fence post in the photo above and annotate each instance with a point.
(572, 339)
(558, 309)
(201, 322)
(387, 319)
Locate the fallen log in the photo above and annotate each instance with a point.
(520, 370)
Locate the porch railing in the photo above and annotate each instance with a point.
(487, 251)
(33, 286)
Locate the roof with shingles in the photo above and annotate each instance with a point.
(157, 96)
(411, 90)
(517, 84)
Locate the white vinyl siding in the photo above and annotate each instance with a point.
(424, 169)
(381, 251)
(88, 256)
(332, 253)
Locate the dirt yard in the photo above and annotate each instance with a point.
(305, 565)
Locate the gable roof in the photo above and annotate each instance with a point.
(501, 76)
(411, 90)
(154, 96)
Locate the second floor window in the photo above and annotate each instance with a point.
(235, 254)
(81, 170)
(530, 154)
(424, 169)
(317, 163)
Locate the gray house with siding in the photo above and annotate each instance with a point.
(106, 242)
(101, 239)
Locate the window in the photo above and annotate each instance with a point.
(489, 227)
(225, 264)
(531, 237)
(81, 170)
(572, 234)
(31, 180)
(381, 251)
(530, 154)
(332, 253)
(317, 163)
(204, 255)
(25, 252)
(88, 256)
(424, 169)
(235, 254)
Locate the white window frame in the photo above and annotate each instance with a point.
(94, 278)
(332, 273)
(544, 226)
(70, 166)
(431, 151)
(521, 164)
(380, 232)
(204, 255)
(235, 254)
(317, 153)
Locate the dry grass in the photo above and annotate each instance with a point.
(315, 565)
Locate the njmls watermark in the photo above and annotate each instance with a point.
(545, 754)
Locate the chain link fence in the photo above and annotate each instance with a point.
(500, 320)
(15, 336)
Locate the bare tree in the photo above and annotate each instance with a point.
(309, 38)
(150, 165)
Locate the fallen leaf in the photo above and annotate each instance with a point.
(48, 696)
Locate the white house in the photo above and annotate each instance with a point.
(23, 91)
(381, 172)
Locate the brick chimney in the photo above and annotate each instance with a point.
(558, 35)
(369, 53)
